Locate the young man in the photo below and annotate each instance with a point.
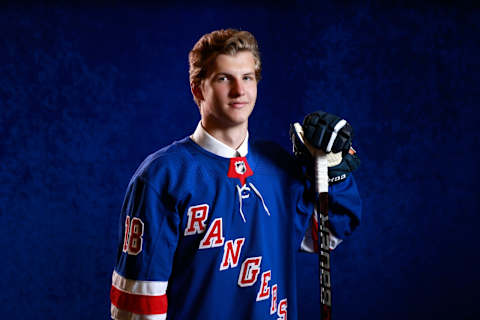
(212, 222)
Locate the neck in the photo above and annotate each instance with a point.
(231, 136)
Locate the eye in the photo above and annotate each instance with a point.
(248, 78)
(222, 78)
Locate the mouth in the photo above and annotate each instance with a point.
(238, 104)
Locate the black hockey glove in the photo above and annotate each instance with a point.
(327, 132)
(330, 134)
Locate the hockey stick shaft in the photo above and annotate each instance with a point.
(321, 186)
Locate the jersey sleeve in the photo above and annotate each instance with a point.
(344, 215)
(345, 207)
(149, 233)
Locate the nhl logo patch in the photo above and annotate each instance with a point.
(240, 167)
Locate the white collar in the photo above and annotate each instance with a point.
(209, 143)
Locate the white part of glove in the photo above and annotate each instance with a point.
(333, 159)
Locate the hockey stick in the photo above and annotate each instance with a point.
(321, 187)
(322, 236)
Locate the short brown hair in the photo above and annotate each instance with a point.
(210, 45)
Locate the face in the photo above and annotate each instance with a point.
(228, 94)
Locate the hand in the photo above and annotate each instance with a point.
(342, 159)
(327, 132)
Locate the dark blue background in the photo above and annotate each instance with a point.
(88, 91)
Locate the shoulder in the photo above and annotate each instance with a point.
(271, 153)
(164, 163)
(274, 160)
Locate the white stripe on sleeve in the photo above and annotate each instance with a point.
(146, 288)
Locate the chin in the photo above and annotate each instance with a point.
(240, 119)
(238, 122)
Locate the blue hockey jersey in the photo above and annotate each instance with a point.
(207, 237)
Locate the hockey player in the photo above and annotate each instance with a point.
(212, 222)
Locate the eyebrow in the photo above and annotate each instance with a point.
(229, 74)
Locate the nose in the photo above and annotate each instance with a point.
(238, 88)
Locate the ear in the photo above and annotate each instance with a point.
(196, 91)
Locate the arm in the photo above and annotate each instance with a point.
(148, 238)
(344, 211)
(333, 136)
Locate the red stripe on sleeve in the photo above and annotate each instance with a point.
(315, 235)
(137, 303)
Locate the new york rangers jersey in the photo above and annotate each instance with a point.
(208, 237)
